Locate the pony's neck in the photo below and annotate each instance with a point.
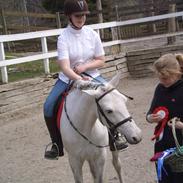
(83, 108)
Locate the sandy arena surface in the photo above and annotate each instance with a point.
(23, 141)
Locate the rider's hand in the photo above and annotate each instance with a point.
(80, 68)
(85, 78)
(154, 118)
(82, 84)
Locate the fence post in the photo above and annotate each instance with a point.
(114, 30)
(100, 16)
(26, 17)
(45, 50)
(5, 30)
(4, 72)
(171, 24)
(118, 19)
(152, 13)
(58, 20)
(154, 25)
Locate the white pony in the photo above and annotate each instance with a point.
(85, 137)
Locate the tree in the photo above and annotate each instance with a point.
(53, 5)
(58, 5)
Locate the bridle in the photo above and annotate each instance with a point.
(111, 125)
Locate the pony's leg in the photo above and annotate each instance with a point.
(117, 165)
(97, 167)
(76, 166)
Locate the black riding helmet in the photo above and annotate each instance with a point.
(76, 7)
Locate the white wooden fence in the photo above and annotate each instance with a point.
(46, 54)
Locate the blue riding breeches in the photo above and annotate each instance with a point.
(56, 91)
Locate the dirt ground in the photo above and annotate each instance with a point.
(23, 141)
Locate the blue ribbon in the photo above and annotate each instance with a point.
(160, 166)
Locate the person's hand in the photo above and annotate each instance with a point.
(178, 123)
(85, 84)
(154, 118)
(80, 68)
(85, 78)
(82, 84)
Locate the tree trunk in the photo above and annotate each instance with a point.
(100, 16)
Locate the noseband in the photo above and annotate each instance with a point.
(111, 125)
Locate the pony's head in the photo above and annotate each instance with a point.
(111, 108)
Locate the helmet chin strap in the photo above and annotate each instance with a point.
(74, 26)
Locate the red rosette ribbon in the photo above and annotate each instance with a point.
(161, 125)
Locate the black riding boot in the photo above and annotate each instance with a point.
(117, 142)
(57, 145)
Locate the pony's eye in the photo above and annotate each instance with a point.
(109, 111)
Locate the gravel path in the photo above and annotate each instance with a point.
(23, 140)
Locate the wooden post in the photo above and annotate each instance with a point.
(45, 50)
(117, 12)
(5, 29)
(171, 24)
(116, 34)
(99, 8)
(100, 16)
(154, 25)
(58, 20)
(26, 18)
(118, 19)
(114, 30)
(177, 26)
(4, 72)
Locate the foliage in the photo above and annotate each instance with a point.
(57, 5)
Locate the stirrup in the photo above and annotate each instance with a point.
(51, 144)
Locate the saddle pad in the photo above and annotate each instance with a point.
(58, 109)
(59, 112)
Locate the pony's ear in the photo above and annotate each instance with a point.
(115, 80)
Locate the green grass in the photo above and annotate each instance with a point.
(29, 70)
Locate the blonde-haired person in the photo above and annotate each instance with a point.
(179, 57)
(167, 103)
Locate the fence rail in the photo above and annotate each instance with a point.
(46, 54)
(35, 15)
(39, 21)
(8, 18)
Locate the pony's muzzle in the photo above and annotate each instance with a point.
(136, 140)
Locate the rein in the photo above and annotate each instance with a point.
(86, 74)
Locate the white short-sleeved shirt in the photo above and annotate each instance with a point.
(79, 46)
